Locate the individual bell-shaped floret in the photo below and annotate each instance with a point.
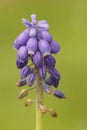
(32, 32)
(47, 89)
(58, 94)
(55, 47)
(25, 71)
(21, 39)
(21, 64)
(49, 61)
(45, 35)
(54, 73)
(31, 46)
(21, 83)
(22, 54)
(42, 71)
(37, 59)
(44, 47)
(52, 81)
(31, 79)
(43, 24)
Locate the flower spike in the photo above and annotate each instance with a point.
(35, 48)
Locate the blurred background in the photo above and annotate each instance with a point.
(68, 25)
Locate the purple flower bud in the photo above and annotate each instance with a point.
(25, 71)
(20, 64)
(21, 39)
(31, 79)
(47, 89)
(44, 47)
(22, 54)
(26, 22)
(33, 18)
(31, 46)
(48, 80)
(52, 81)
(32, 32)
(55, 47)
(43, 24)
(54, 73)
(21, 83)
(58, 94)
(42, 71)
(37, 59)
(49, 61)
(45, 35)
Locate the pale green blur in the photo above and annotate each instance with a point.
(68, 25)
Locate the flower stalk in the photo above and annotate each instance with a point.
(39, 99)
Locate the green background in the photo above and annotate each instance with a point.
(68, 25)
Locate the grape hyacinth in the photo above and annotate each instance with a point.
(35, 58)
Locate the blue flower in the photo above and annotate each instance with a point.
(42, 71)
(43, 25)
(22, 54)
(21, 64)
(45, 35)
(54, 73)
(37, 59)
(55, 47)
(44, 47)
(47, 89)
(25, 71)
(58, 94)
(31, 79)
(49, 61)
(21, 39)
(31, 46)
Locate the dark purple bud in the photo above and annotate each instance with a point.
(20, 64)
(58, 94)
(31, 79)
(31, 45)
(54, 73)
(43, 24)
(32, 32)
(45, 35)
(26, 22)
(47, 89)
(37, 59)
(21, 83)
(55, 47)
(25, 71)
(44, 47)
(21, 39)
(22, 54)
(54, 81)
(48, 80)
(49, 61)
(42, 71)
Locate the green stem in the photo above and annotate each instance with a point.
(39, 100)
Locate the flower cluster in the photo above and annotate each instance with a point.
(35, 48)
